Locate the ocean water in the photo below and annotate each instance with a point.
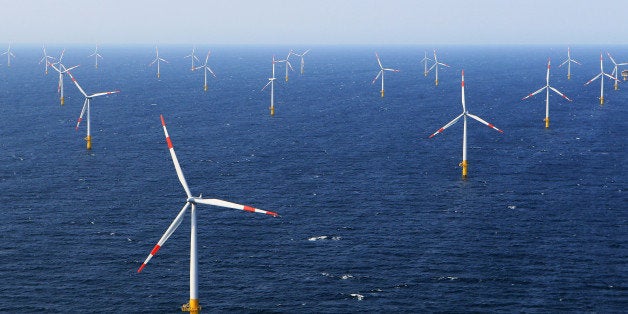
(374, 215)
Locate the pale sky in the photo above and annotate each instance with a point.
(313, 22)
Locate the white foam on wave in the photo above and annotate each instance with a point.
(357, 296)
(324, 237)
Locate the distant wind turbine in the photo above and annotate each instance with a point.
(547, 88)
(601, 77)
(424, 61)
(568, 62)
(206, 68)
(157, 59)
(435, 66)
(381, 73)
(46, 59)
(192, 56)
(287, 62)
(9, 55)
(615, 72)
(301, 56)
(271, 82)
(96, 55)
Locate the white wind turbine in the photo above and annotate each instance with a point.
(9, 55)
(615, 72)
(62, 70)
(301, 56)
(424, 61)
(435, 66)
(287, 62)
(46, 59)
(192, 56)
(547, 88)
(271, 82)
(381, 73)
(568, 62)
(465, 113)
(191, 202)
(96, 55)
(157, 59)
(601, 77)
(86, 107)
(206, 68)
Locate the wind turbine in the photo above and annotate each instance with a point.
(465, 113)
(86, 105)
(569, 61)
(424, 61)
(271, 82)
(547, 88)
(9, 55)
(381, 73)
(193, 56)
(301, 56)
(191, 202)
(435, 66)
(46, 59)
(287, 61)
(207, 68)
(61, 70)
(96, 55)
(615, 72)
(601, 75)
(157, 59)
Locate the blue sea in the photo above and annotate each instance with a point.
(375, 217)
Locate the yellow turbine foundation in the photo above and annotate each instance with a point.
(463, 164)
(569, 76)
(62, 101)
(616, 86)
(286, 78)
(205, 88)
(436, 82)
(191, 307)
(602, 100)
(382, 92)
(88, 139)
(272, 111)
(546, 122)
(157, 75)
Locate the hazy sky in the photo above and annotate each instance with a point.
(311, 22)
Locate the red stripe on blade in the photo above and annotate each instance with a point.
(249, 209)
(141, 267)
(169, 142)
(155, 249)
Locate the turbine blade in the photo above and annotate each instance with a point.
(447, 125)
(221, 203)
(269, 81)
(77, 84)
(593, 79)
(559, 93)
(378, 74)
(379, 62)
(532, 94)
(173, 226)
(104, 93)
(177, 167)
(82, 113)
(484, 122)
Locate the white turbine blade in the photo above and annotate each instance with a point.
(563, 63)
(82, 113)
(379, 62)
(378, 74)
(593, 79)
(54, 67)
(103, 93)
(173, 226)
(164, 60)
(207, 57)
(532, 94)
(443, 64)
(484, 122)
(559, 93)
(210, 71)
(77, 84)
(221, 203)
(199, 67)
(392, 70)
(576, 62)
(269, 81)
(304, 53)
(68, 69)
(612, 59)
(622, 64)
(289, 65)
(151, 64)
(430, 69)
(447, 125)
(611, 77)
(177, 167)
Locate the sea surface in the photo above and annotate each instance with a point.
(375, 216)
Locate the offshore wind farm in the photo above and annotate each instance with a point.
(370, 212)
